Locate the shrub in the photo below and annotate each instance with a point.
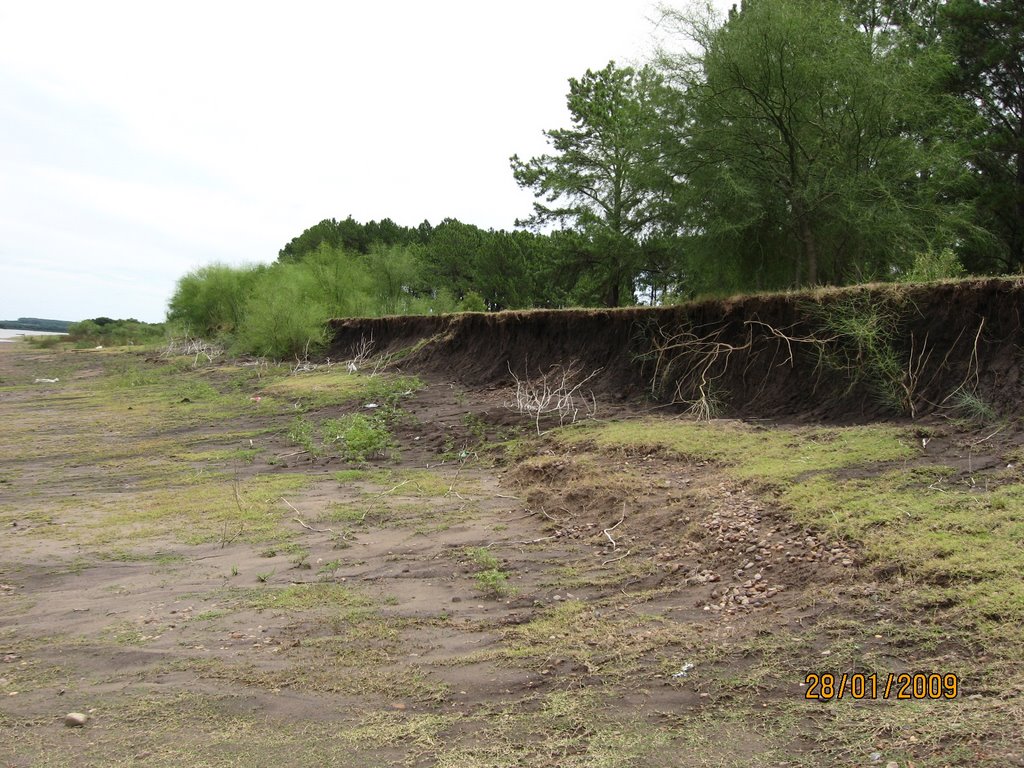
(283, 316)
(934, 265)
(359, 437)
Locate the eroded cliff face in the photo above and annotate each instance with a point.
(835, 354)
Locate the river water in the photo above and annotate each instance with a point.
(11, 334)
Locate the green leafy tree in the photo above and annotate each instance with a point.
(987, 41)
(797, 154)
(603, 177)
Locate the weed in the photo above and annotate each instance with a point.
(483, 557)
(972, 408)
(302, 433)
(263, 577)
(329, 569)
(359, 437)
(493, 582)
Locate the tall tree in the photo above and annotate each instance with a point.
(987, 40)
(603, 175)
(796, 162)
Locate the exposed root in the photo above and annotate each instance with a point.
(559, 392)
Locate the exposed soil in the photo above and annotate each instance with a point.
(829, 355)
(643, 608)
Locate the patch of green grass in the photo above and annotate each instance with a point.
(302, 597)
(964, 541)
(346, 476)
(752, 453)
(357, 437)
(213, 510)
(320, 389)
(483, 557)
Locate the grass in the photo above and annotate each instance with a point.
(320, 389)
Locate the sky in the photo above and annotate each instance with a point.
(139, 141)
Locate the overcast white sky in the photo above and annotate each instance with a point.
(140, 140)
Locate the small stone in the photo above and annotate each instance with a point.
(398, 706)
(892, 764)
(456, 599)
(75, 719)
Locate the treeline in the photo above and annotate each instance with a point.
(36, 324)
(792, 143)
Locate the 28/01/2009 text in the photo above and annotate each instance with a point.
(916, 686)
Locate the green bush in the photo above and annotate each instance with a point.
(112, 333)
(473, 302)
(284, 315)
(934, 265)
(212, 300)
(358, 437)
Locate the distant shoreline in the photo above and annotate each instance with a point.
(13, 334)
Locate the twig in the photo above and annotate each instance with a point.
(298, 519)
(616, 559)
(607, 531)
(310, 528)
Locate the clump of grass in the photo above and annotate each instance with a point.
(970, 407)
(358, 437)
(861, 331)
(493, 582)
(483, 557)
(303, 433)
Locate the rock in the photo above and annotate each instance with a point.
(892, 764)
(75, 719)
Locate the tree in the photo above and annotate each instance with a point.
(796, 155)
(604, 175)
(987, 41)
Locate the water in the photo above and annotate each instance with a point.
(11, 334)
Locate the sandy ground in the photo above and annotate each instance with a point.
(174, 567)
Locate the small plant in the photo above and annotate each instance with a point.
(483, 557)
(329, 568)
(234, 570)
(359, 437)
(972, 408)
(302, 433)
(934, 265)
(493, 582)
(264, 577)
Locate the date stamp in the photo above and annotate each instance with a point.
(907, 686)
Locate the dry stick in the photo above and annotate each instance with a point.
(607, 531)
(224, 540)
(298, 520)
(616, 559)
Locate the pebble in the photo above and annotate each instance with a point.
(75, 719)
